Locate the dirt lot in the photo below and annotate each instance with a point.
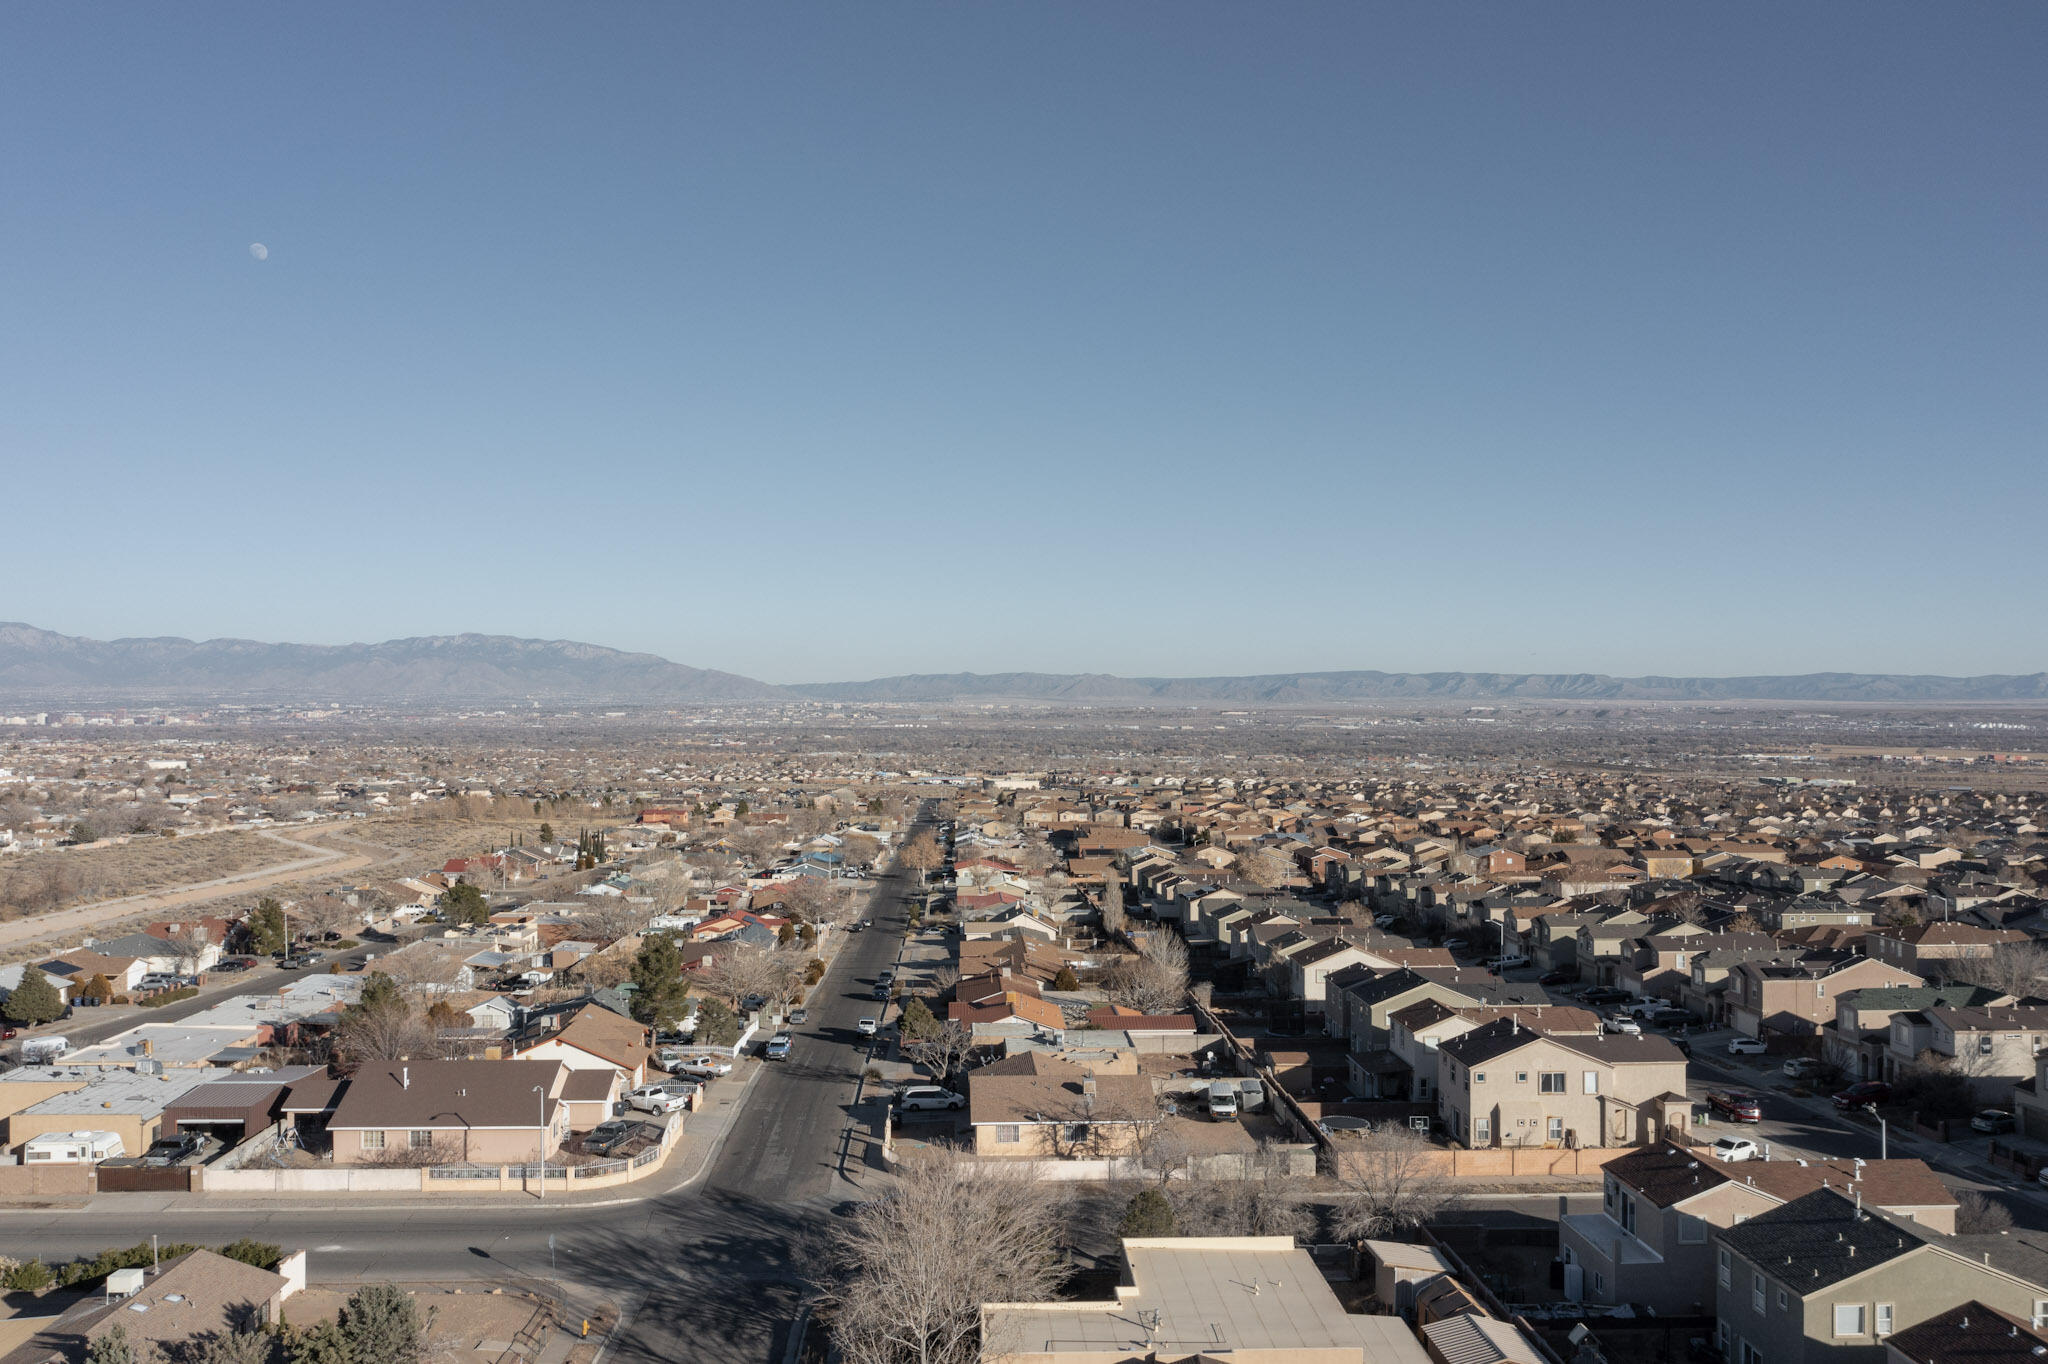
(41, 881)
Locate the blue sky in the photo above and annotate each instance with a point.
(819, 342)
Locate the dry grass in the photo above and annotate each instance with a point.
(42, 881)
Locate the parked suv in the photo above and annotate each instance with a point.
(1736, 1106)
(777, 1048)
(919, 1097)
(1866, 1092)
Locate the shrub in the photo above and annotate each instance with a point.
(30, 1276)
(170, 997)
(262, 1254)
(345, 944)
(120, 999)
(1147, 1214)
(1066, 979)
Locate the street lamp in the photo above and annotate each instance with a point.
(1884, 1136)
(543, 1142)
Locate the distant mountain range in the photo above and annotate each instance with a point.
(42, 665)
(437, 668)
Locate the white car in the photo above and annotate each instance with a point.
(868, 1027)
(659, 1099)
(1801, 1066)
(1508, 963)
(706, 1067)
(1737, 1148)
(930, 1096)
(1385, 920)
(1621, 1025)
(1746, 1046)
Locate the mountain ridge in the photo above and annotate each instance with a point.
(477, 667)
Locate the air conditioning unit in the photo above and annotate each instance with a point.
(149, 1066)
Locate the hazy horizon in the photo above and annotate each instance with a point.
(817, 342)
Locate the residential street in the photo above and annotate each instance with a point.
(705, 1272)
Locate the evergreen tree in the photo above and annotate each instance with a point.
(266, 927)
(34, 1001)
(325, 1343)
(741, 809)
(717, 1025)
(547, 831)
(918, 1021)
(1147, 1214)
(111, 1348)
(659, 990)
(99, 987)
(463, 903)
(378, 992)
(383, 1326)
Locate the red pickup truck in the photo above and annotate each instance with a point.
(1736, 1107)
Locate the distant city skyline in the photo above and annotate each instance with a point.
(818, 342)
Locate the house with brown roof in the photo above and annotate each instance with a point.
(1797, 998)
(1506, 1085)
(451, 1112)
(1013, 1014)
(1651, 1241)
(593, 1037)
(1937, 948)
(164, 1314)
(1972, 1333)
(1037, 1106)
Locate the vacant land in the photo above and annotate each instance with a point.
(39, 882)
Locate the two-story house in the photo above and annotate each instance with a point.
(1855, 1042)
(1995, 1048)
(1940, 950)
(1797, 998)
(1658, 965)
(1827, 1278)
(1506, 1085)
(1650, 1242)
(1415, 1034)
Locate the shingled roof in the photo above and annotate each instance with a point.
(1817, 1241)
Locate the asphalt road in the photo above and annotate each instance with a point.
(711, 1272)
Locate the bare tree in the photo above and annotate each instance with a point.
(1978, 1215)
(190, 944)
(922, 855)
(944, 1051)
(1155, 981)
(1266, 1201)
(1264, 867)
(611, 918)
(1390, 1181)
(388, 1033)
(738, 970)
(1113, 918)
(904, 1278)
(2017, 969)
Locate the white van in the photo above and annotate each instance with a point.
(1223, 1101)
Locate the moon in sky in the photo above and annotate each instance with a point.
(259, 250)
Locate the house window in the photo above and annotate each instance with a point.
(1750, 1354)
(1551, 1082)
(1756, 1292)
(1691, 1231)
(1479, 1078)
(1008, 1133)
(1557, 1129)
(1077, 1131)
(1482, 1130)
(1628, 1215)
(419, 1140)
(373, 1141)
(1607, 1196)
(1721, 1336)
(1599, 1282)
(1521, 1077)
(1884, 1318)
(1984, 1045)
(1784, 1300)
(1848, 1318)
(2040, 1313)
(1592, 1082)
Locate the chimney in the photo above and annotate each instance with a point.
(405, 1077)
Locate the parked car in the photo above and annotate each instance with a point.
(1604, 994)
(1993, 1120)
(1385, 920)
(868, 1027)
(1736, 1106)
(777, 1048)
(880, 992)
(705, 1067)
(657, 1099)
(919, 1097)
(799, 1017)
(171, 1150)
(1684, 1047)
(1746, 1046)
(1563, 976)
(1510, 962)
(1736, 1148)
(1799, 1067)
(1863, 1093)
(608, 1136)
(233, 964)
(1623, 1024)
(752, 1003)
